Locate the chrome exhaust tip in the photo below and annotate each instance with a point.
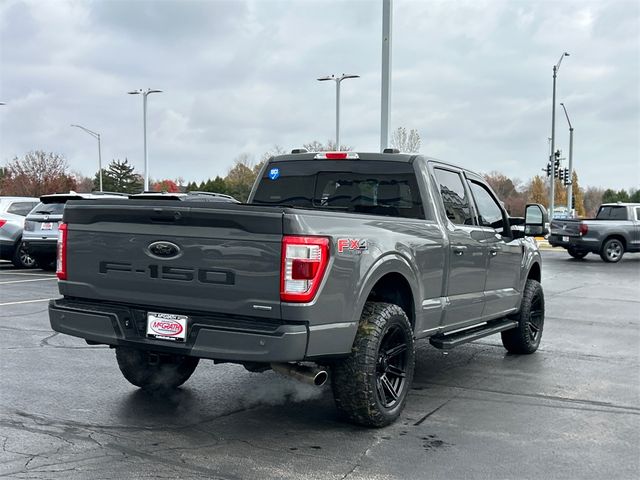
(303, 373)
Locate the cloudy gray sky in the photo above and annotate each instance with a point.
(474, 78)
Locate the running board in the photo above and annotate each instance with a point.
(445, 342)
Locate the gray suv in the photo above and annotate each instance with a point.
(12, 213)
(40, 234)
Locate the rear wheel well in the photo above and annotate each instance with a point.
(617, 237)
(535, 273)
(394, 288)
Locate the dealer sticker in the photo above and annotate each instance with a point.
(167, 326)
(274, 173)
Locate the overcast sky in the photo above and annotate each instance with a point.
(474, 78)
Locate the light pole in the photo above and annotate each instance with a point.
(570, 189)
(385, 97)
(94, 135)
(556, 68)
(144, 94)
(338, 80)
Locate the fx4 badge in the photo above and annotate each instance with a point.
(352, 245)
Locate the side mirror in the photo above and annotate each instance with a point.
(536, 220)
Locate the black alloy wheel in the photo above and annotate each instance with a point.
(391, 367)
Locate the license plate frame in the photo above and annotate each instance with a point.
(46, 226)
(167, 326)
(565, 238)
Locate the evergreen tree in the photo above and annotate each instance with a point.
(120, 176)
(609, 196)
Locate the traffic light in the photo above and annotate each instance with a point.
(557, 159)
(573, 202)
(567, 180)
(561, 175)
(548, 169)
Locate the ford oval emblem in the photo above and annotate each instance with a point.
(164, 250)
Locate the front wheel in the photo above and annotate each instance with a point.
(578, 254)
(154, 371)
(525, 338)
(612, 251)
(370, 386)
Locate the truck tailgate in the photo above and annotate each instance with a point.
(568, 227)
(221, 258)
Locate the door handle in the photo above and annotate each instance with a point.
(458, 250)
(493, 251)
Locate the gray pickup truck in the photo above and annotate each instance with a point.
(614, 231)
(337, 263)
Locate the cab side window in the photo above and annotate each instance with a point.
(454, 197)
(489, 211)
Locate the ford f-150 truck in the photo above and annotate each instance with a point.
(614, 231)
(336, 265)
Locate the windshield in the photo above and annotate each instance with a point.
(379, 188)
(612, 213)
(48, 209)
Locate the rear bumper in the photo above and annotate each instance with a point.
(232, 339)
(7, 247)
(579, 243)
(40, 247)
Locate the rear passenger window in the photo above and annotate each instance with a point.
(454, 197)
(21, 208)
(638, 213)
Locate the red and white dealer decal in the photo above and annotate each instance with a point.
(347, 245)
(167, 326)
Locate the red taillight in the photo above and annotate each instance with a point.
(337, 156)
(61, 266)
(584, 228)
(2, 222)
(304, 261)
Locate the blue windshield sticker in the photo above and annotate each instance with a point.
(274, 173)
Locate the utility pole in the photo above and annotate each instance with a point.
(97, 137)
(385, 107)
(338, 81)
(144, 94)
(570, 184)
(556, 67)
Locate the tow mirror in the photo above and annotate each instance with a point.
(536, 220)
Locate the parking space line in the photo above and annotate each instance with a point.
(30, 280)
(10, 273)
(26, 301)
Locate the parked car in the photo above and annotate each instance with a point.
(337, 264)
(614, 231)
(40, 234)
(12, 213)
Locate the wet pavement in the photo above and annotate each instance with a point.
(572, 410)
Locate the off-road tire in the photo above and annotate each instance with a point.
(356, 380)
(612, 250)
(152, 371)
(21, 259)
(525, 338)
(577, 254)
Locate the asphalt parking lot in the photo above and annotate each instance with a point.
(572, 410)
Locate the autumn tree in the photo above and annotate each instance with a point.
(404, 141)
(240, 178)
(165, 185)
(507, 191)
(578, 195)
(37, 173)
(592, 200)
(119, 176)
(537, 191)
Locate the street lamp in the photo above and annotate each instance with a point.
(94, 135)
(556, 68)
(570, 189)
(338, 81)
(144, 94)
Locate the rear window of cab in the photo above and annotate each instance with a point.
(373, 187)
